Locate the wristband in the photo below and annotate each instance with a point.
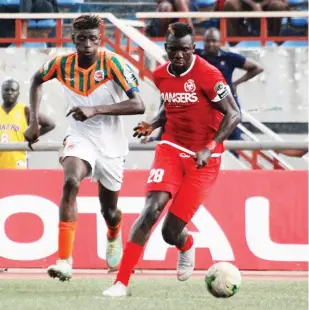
(211, 145)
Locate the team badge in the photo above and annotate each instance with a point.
(190, 86)
(99, 75)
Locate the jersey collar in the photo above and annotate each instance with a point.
(184, 73)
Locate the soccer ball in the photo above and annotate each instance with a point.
(223, 280)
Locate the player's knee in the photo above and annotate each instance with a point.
(169, 236)
(150, 216)
(71, 184)
(110, 211)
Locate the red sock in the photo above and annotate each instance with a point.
(130, 258)
(188, 244)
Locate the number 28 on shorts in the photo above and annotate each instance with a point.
(155, 175)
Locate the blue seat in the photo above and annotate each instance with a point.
(299, 21)
(296, 2)
(41, 24)
(69, 2)
(205, 3)
(254, 44)
(9, 2)
(31, 45)
(295, 44)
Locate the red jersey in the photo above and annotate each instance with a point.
(192, 121)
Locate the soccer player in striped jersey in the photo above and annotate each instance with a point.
(99, 87)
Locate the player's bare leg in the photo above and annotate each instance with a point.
(140, 232)
(174, 232)
(112, 216)
(75, 170)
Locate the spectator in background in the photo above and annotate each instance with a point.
(37, 6)
(7, 26)
(237, 27)
(14, 120)
(227, 62)
(158, 27)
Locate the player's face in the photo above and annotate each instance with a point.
(212, 43)
(180, 52)
(87, 42)
(10, 92)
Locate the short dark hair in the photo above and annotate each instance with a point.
(179, 30)
(87, 21)
(10, 81)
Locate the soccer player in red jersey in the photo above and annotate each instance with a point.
(198, 114)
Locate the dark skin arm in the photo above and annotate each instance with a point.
(134, 105)
(46, 124)
(145, 129)
(231, 119)
(33, 131)
(293, 153)
(252, 68)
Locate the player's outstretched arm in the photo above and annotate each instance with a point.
(33, 131)
(145, 129)
(134, 105)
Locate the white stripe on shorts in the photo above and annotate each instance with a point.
(183, 149)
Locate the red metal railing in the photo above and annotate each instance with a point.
(224, 16)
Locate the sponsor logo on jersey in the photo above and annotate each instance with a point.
(222, 90)
(190, 86)
(99, 75)
(179, 99)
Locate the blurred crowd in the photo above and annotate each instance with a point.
(157, 27)
(235, 26)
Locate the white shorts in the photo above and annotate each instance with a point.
(108, 171)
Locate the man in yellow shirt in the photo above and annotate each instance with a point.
(14, 120)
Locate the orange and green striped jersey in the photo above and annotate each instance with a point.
(108, 67)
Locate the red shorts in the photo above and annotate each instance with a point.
(175, 172)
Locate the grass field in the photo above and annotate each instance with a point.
(150, 293)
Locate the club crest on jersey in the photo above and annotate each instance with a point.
(99, 75)
(190, 86)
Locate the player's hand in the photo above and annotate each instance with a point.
(202, 158)
(32, 134)
(142, 129)
(82, 113)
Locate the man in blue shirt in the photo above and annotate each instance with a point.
(227, 62)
